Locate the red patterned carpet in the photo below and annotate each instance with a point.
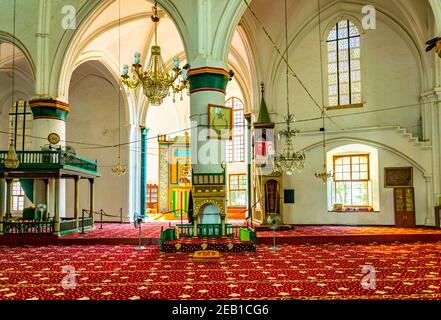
(152, 230)
(300, 231)
(325, 271)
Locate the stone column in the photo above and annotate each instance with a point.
(8, 198)
(91, 199)
(249, 159)
(76, 198)
(49, 116)
(207, 87)
(2, 203)
(57, 206)
(46, 196)
(143, 189)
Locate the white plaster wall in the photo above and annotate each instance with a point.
(310, 205)
(93, 119)
(390, 76)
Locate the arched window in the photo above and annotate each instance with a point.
(236, 146)
(344, 70)
(20, 125)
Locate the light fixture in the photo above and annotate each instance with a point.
(156, 81)
(288, 161)
(323, 175)
(11, 161)
(119, 170)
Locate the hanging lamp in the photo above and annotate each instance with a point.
(156, 81)
(288, 161)
(119, 170)
(323, 175)
(11, 161)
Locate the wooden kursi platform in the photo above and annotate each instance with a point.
(206, 245)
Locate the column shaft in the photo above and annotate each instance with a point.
(91, 199)
(144, 132)
(8, 198)
(76, 198)
(57, 206)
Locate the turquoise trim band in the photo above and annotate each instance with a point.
(42, 112)
(208, 82)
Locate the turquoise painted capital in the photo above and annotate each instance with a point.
(208, 79)
(49, 109)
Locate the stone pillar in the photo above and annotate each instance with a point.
(46, 197)
(76, 198)
(91, 199)
(8, 198)
(57, 206)
(49, 116)
(207, 87)
(429, 202)
(2, 203)
(143, 189)
(249, 159)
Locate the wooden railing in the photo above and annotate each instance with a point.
(50, 159)
(208, 178)
(243, 233)
(28, 227)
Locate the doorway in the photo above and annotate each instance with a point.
(404, 204)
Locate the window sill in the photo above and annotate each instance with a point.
(346, 106)
(353, 211)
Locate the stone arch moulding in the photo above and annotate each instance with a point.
(9, 38)
(369, 143)
(69, 47)
(225, 31)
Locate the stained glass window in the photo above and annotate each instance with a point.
(344, 64)
(236, 146)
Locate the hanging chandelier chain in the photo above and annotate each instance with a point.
(155, 20)
(287, 62)
(119, 88)
(323, 175)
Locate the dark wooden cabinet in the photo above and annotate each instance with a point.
(404, 203)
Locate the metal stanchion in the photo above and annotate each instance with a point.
(82, 222)
(120, 216)
(101, 222)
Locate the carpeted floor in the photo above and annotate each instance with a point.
(152, 230)
(325, 271)
(347, 230)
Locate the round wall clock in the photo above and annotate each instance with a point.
(53, 138)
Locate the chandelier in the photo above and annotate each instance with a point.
(155, 80)
(119, 170)
(288, 161)
(11, 161)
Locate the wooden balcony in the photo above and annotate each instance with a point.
(48, 163)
